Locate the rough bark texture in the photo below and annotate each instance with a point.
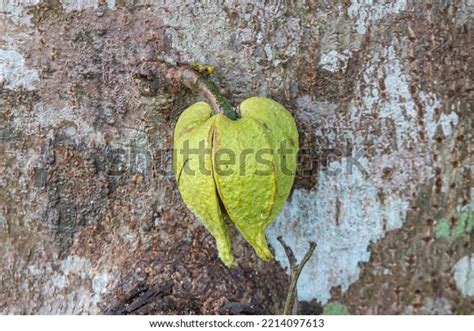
(91, 220)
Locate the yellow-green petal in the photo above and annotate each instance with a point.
(283, 136)
(194, 175)
(247, 186)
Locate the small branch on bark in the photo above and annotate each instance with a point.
(290, 307)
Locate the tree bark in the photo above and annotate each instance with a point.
(91, 220)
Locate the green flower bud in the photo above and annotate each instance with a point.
(243, 168)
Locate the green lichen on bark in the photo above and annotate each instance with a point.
(455, 227)
(335, 308)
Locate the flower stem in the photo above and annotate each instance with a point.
(194, 81)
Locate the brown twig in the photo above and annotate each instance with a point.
(208, 89)
(295, 271)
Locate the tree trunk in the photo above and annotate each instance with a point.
(91, 220)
